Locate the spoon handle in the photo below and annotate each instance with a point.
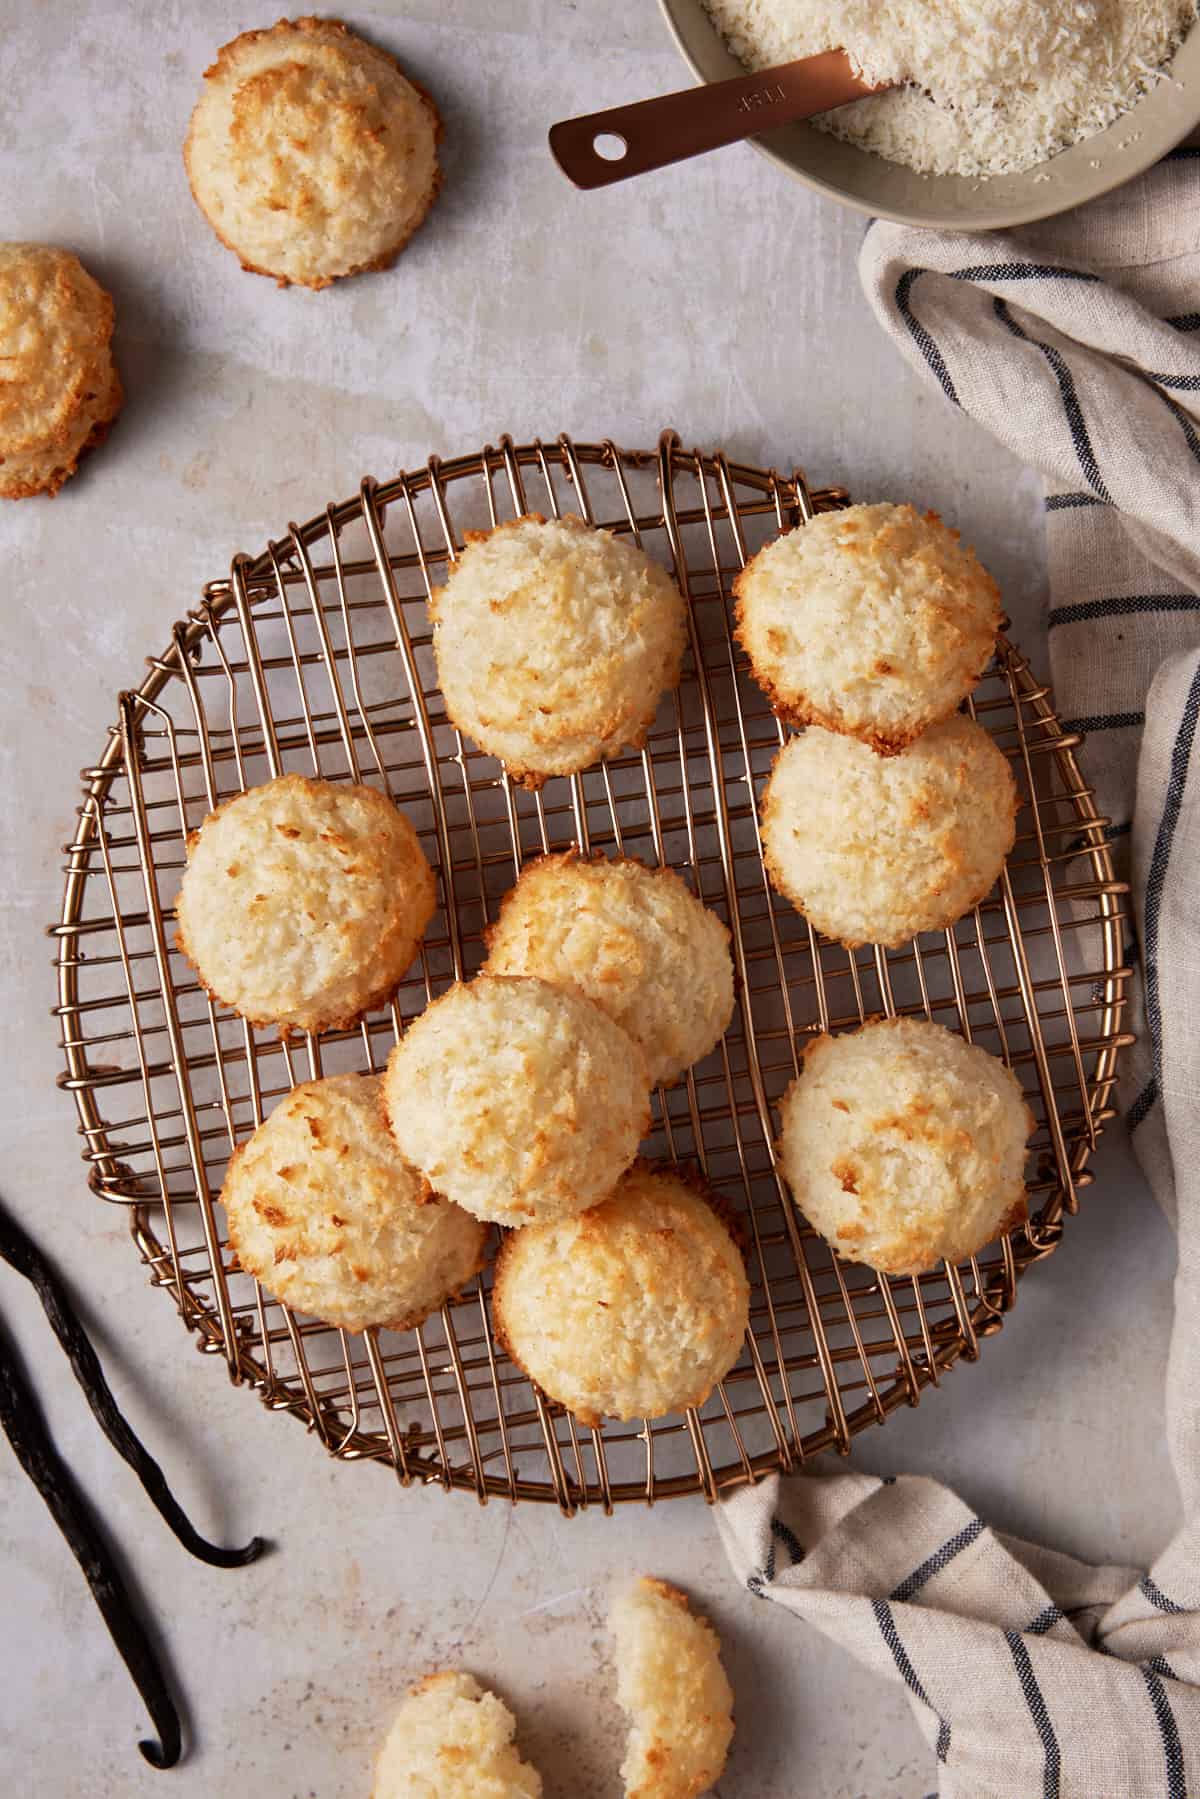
(672, 127)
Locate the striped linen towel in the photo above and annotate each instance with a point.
(1077, 344)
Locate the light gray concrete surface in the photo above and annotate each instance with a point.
(719, 298)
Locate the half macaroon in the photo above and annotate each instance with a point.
(674, 1689)
(453, 1738)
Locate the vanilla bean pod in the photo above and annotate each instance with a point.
(21, 1253)
(25, 1427)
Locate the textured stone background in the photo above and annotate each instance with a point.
(720, 298)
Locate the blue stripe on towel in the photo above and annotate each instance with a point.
(891, 1636)
(1104, 721)
(1036, 1702)
(1076, 422)
(1180, 384)
(1169, 1732)
(920, 336)
(1181, 419)
(940, 1559)
(1142, 1106)
(1067, 502)
(1022, 271)
(1181, 752)
(788, 1538)
(1122, 606)
(1150, 1590)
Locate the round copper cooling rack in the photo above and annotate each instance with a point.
(315, 656)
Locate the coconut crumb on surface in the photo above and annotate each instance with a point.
(991, 86)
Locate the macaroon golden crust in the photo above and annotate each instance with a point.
(634, 939)
(671, 1683)
(311, 153)
(61, 391)
(452, 1739)
(555, 642)
(517, 1099)
(327, 1214)
(875, 849)
(904, 1145)
(632, 1309)
(875, 621)
(304, 902)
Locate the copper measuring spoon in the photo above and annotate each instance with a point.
(649, 134)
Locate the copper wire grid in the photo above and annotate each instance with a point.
(315, 657)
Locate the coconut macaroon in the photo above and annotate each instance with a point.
(453, 1739)
(61, 390)
(876, 621)
(310, 153)
(904, 1145)
(327, 1214)
(636, 1308)
(517, 1099)
(304, 902)
(873, 849)
(634, 939)
(554, 642)
(671, 1683)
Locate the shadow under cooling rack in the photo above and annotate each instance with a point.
(315, 657)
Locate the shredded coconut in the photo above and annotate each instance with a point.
(992, 86)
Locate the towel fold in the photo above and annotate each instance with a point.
(1076, 343)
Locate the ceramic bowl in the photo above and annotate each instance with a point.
(886, 190)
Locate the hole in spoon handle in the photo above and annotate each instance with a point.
(650, 134)
(610, 146)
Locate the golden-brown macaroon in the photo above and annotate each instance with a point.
(325, 1212)
(635, 1308)
(517, 1099)
(311, 153)
(876, 621)
(904, 1145)
(453, 1739)
(671, 1683)
(554, 643)
(60, 391)
(874, 849)
(304, 902)
(634, 939)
